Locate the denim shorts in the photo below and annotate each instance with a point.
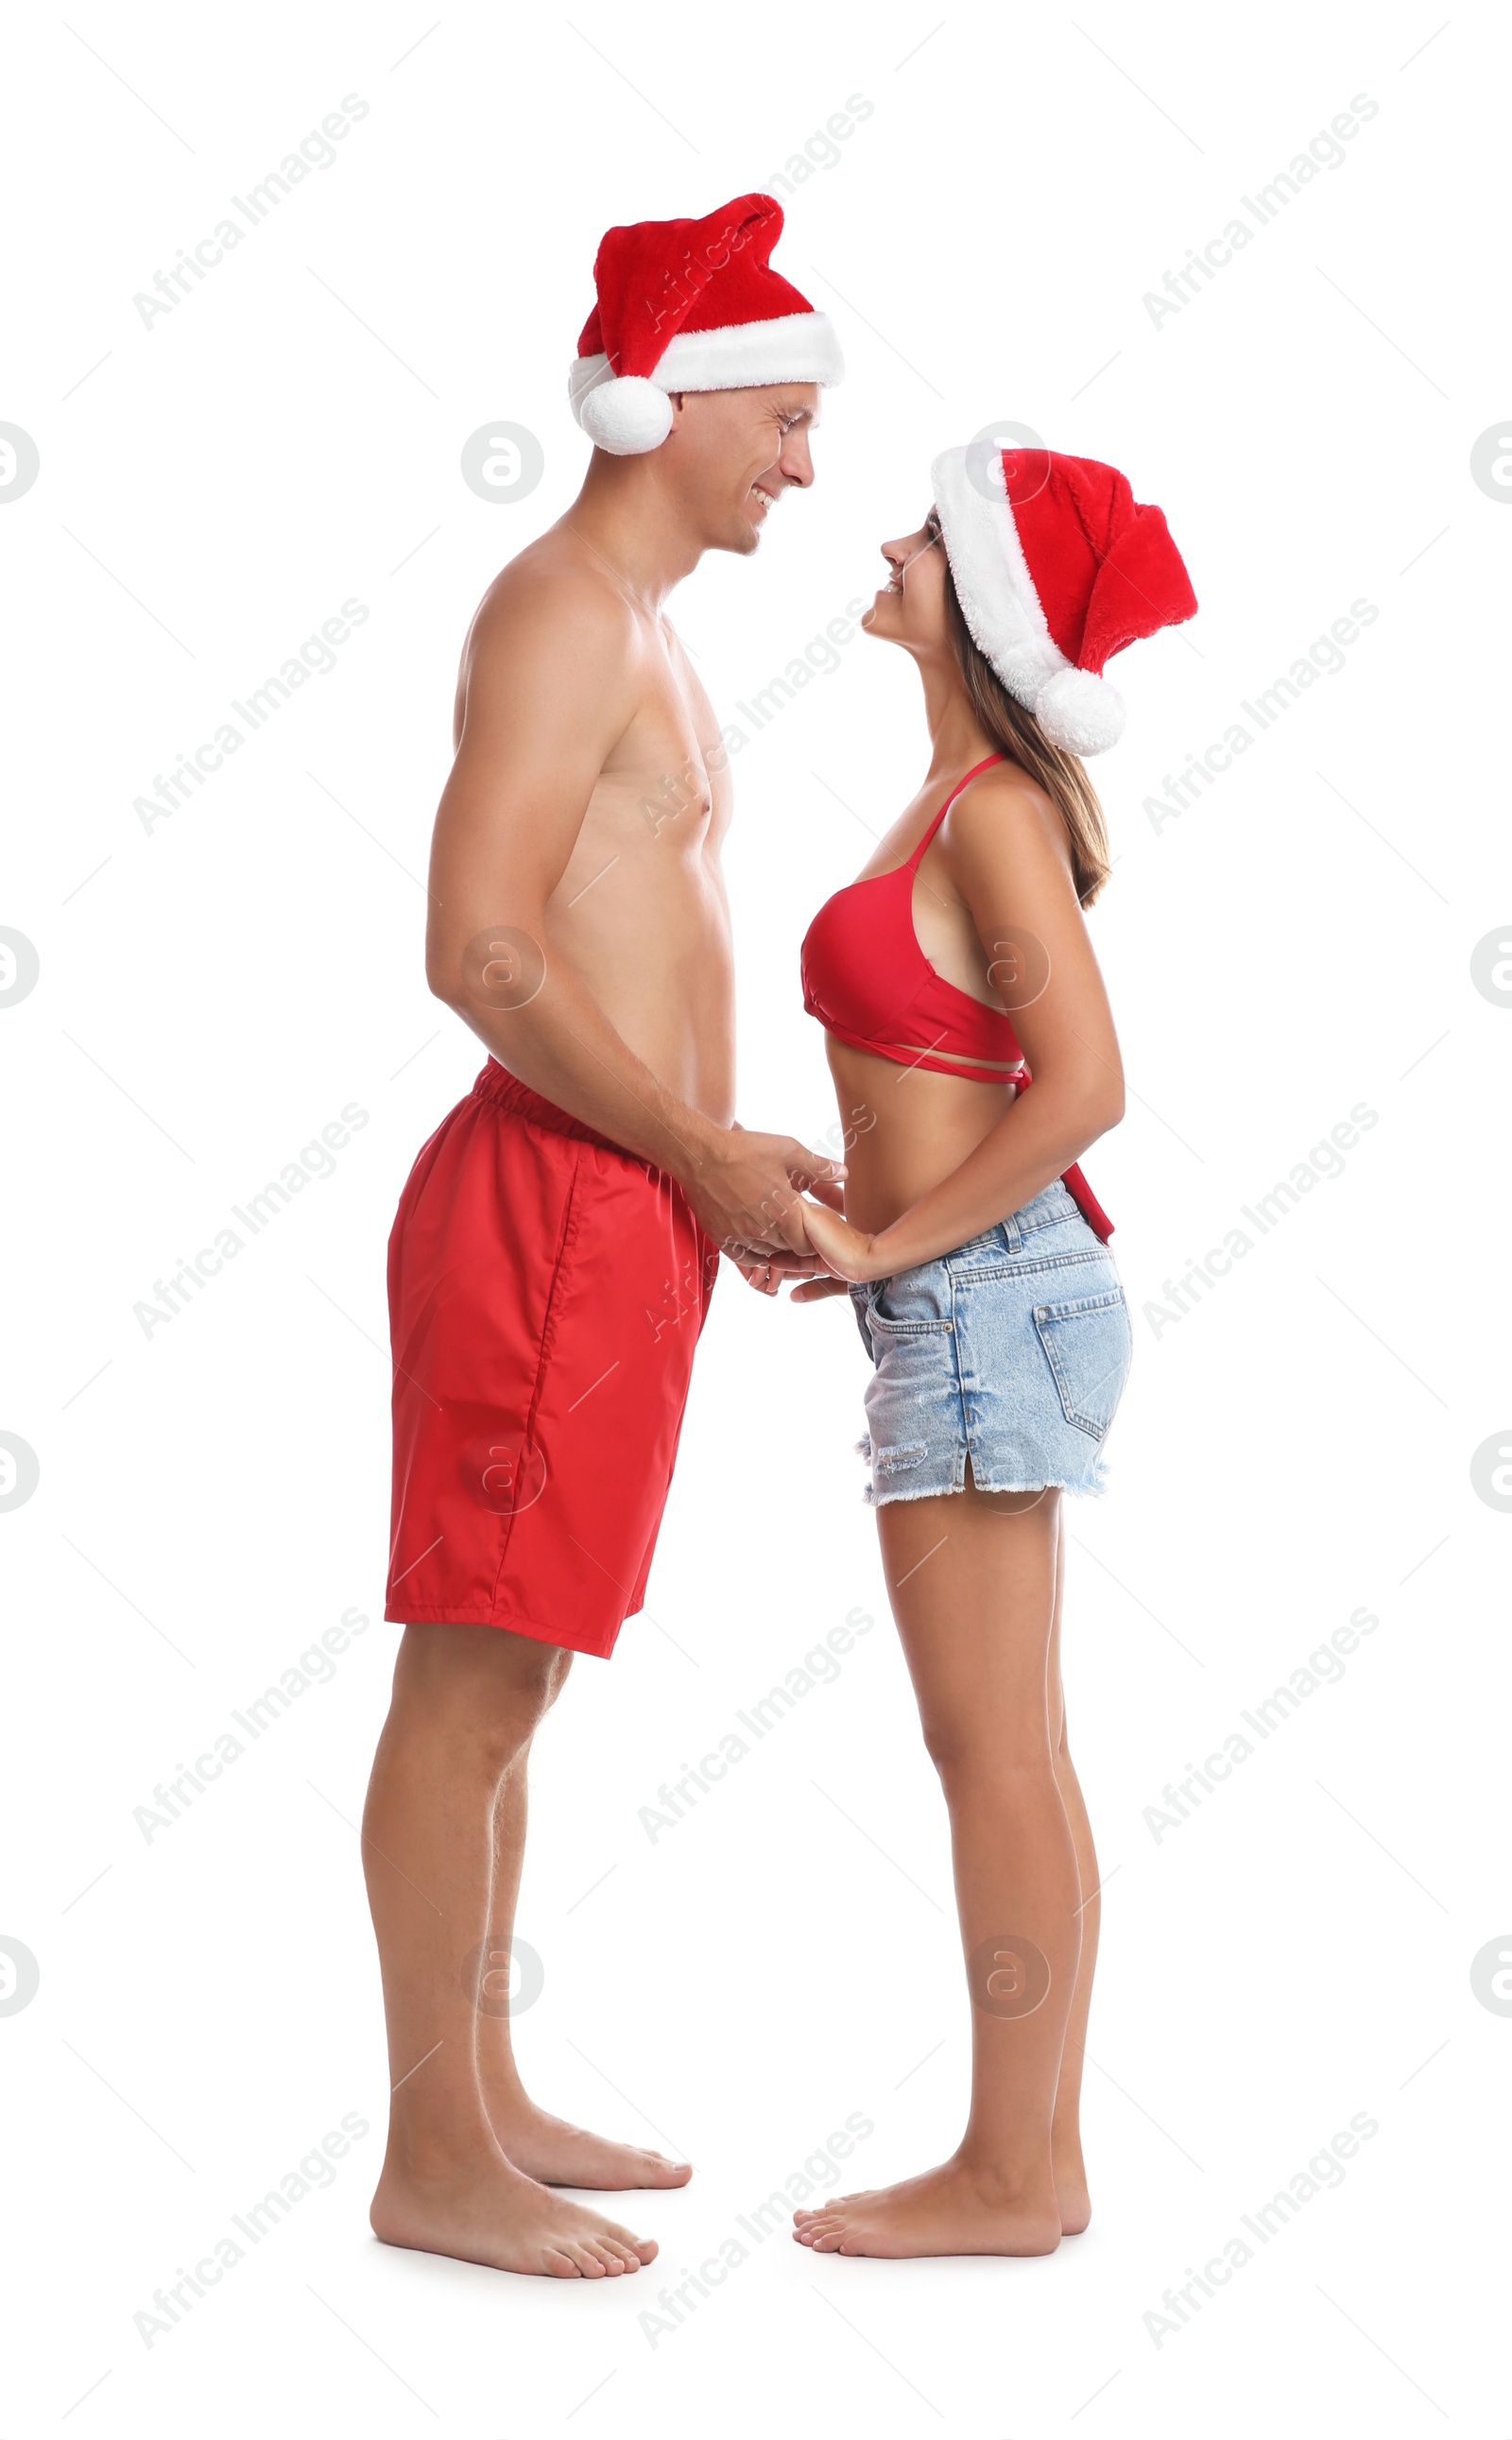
(1013, 1351)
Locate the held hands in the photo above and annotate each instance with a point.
(747, 1190)
(841, 1255)
(848, 1254)
(825, 1273)
(825, 1284)
(767, 1273)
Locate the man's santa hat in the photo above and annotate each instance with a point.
(1056, 568)
(691, 305)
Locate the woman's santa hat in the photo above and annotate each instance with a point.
(1056, 568)
(691, 305)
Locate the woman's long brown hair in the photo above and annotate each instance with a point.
(1017, 734)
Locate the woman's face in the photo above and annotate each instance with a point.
(909, 608)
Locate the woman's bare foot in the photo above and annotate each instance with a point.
(1071, 2183)
(485, 2210)
(949, 2210)
(557, 2154)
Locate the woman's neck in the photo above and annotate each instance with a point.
(957, 738)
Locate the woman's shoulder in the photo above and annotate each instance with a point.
(1002, 802)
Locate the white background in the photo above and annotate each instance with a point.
(214, 990)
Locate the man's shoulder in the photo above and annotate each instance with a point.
(554, 592)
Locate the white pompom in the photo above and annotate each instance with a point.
(1080, 712)
(627, 416)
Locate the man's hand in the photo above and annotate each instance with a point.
(746, 1190)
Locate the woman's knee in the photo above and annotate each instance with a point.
(971, 1754)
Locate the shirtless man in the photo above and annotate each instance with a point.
(554, 1250)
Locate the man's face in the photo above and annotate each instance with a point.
(733, 453)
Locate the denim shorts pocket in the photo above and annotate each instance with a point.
(911, 1304)
(1087, 1345)
(883, 1326)
(858, 1302)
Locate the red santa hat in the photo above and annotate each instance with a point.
(691, 305)
(1056, 568)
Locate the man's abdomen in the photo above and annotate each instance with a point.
(650, 940)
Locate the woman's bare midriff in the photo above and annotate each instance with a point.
(906, 1129)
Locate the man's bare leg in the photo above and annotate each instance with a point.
(544, 2147)
(1065, 2133)
(466, 1701)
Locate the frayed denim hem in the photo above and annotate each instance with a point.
(873, 1498)
(1096, 1489)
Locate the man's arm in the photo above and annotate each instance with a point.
(551, 690)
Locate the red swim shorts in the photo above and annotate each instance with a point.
(546, 1292)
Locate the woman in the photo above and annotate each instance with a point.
(977, 1259)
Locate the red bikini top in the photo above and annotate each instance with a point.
(870, 984)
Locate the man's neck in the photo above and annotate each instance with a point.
(627, 517)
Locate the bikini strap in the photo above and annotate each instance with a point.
(976, 770)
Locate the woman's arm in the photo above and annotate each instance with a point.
(1005, 852)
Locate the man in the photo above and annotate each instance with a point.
(554, 1250)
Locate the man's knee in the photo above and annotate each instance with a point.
(495, 1686)
(560, 1662)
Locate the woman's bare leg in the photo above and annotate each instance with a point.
(1066, 2134)
(547, 2148)
(972, 1581)
(466, 1701)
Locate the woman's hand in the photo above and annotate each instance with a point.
(823, 1284)
(766, 1272)
(848, 1252)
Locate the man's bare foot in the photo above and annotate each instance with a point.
(485, 2210)
(1071, 2184)
(950, 2210)
(557, 2154)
